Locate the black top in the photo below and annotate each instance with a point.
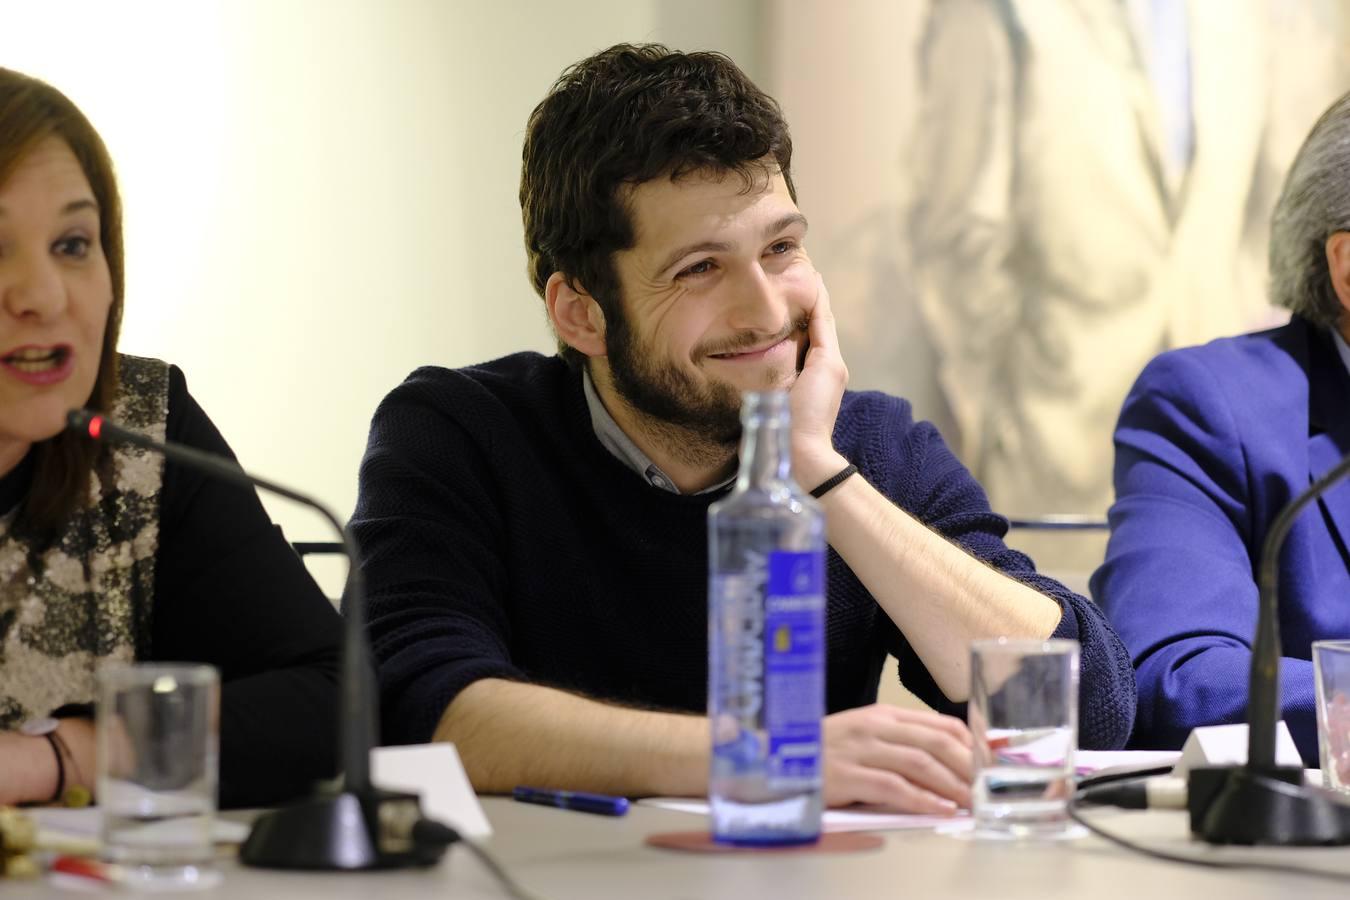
(500, 539)
(230, 591)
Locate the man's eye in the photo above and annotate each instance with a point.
(703, 267)
(781, 247)
(76, 247)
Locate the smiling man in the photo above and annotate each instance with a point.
(534, 529)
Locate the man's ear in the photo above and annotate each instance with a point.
(1338, 266)
(575, 315)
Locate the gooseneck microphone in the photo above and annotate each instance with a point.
(1262, 802)
(358, 826)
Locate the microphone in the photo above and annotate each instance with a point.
(359, 826)
(1161, 792)
(1262, 802)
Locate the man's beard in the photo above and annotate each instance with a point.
(700, 423)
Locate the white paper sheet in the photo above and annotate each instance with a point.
(434, 772)
(1088, 762)
(1120, 762)
(837, 819)
(85, 823)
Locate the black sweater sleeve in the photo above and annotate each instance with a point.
(431, 539)
(230, 591)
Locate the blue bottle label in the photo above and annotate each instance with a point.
(794, 664)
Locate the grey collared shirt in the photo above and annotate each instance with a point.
(613, 439)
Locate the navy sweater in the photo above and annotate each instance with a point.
(500, 539)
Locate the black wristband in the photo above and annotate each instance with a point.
(833, 481)
(53, 740)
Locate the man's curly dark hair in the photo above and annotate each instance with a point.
(625, 116)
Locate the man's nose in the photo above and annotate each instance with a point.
(759, 303)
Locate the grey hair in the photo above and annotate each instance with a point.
(1314, 205)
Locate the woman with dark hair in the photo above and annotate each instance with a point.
(109, 554)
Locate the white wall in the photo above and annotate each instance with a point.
(846, 76)
(321, 194)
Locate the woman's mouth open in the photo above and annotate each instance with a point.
(39, 365)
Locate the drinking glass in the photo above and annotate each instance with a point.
(157, 735)
(1331, 674)
(1023, 714)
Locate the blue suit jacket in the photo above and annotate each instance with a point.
(1212, 443)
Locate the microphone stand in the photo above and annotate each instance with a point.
(1261, 802)
(357, 826)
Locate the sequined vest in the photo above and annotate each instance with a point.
(87, 598)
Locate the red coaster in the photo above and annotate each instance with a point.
(702, 842)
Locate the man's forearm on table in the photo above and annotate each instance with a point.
(509, 733)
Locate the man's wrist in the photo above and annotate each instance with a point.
(684, 758)
(813, 469)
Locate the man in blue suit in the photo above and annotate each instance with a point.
(1212, 443)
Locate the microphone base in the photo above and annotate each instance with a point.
(1237, 805)
(369, 829)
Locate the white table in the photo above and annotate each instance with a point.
(564, 855)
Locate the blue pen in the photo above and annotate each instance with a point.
(600, 804)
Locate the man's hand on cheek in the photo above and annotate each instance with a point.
(816, 395)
